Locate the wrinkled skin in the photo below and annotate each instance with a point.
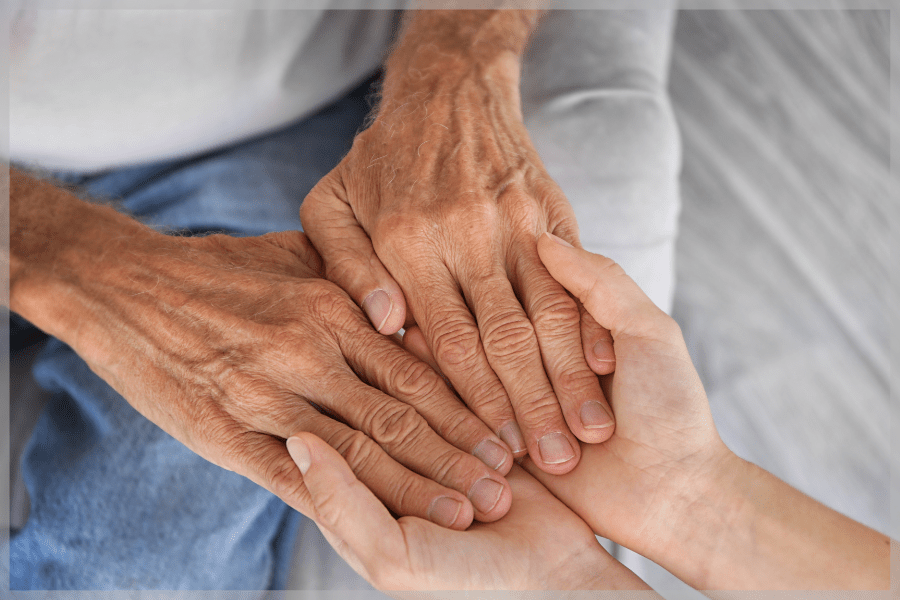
(431, 219)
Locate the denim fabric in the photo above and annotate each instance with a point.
(116, 503)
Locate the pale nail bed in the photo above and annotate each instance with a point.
(593, 416)
(555, 449)
(512, 437)
(485, 494)
(378, 307)
(602, 351)
(444, 511)
(491, 454)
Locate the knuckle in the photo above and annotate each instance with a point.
(349, 265)
(455, 466)
(396, 425)
(232, 454)
(541, 408)
(458, 425)
(330, 506)
(306, 210)
(610, 267)
(405, 494)
(555, 311)
(320, 290)
(415, 380)
(316, 203)
(284, 478)
(249, 393)
(326, 300)
(560, 216)
(221, 427)
(491, 402)
(574, 380)
(456, 344)
(290, 337)
(508, 336)
(357, 449)
(607, 269)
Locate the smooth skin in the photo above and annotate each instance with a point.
(667, 487)
(664, 485)
(431, 220)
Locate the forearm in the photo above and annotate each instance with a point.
(440, 47)
(757, 532)
(61, 248)
(450, 105)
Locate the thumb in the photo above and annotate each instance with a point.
(350, 260)
(610, 296)
(352, 519)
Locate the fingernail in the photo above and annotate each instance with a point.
(378, 307)
(299, 452)
(555, 449)
(444, 510)
(485, 494)
(512, 437)
(593, 416)
(559, 240)
(602, 351)
(491, 454)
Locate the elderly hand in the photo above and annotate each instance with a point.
(539, 544)
(432, 218)
(232, 344)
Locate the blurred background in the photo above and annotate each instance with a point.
(784, 253)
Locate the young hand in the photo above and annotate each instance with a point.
(539, 544)
(666, 486)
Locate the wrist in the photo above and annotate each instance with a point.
(708, 507)
(780, 538)
(609, 574)
(749, 530)
(594, 570)
(61, 247)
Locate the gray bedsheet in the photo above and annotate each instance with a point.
(783, 258)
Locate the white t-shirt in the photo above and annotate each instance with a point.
(92, 89)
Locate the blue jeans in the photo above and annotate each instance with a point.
(116, 503)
